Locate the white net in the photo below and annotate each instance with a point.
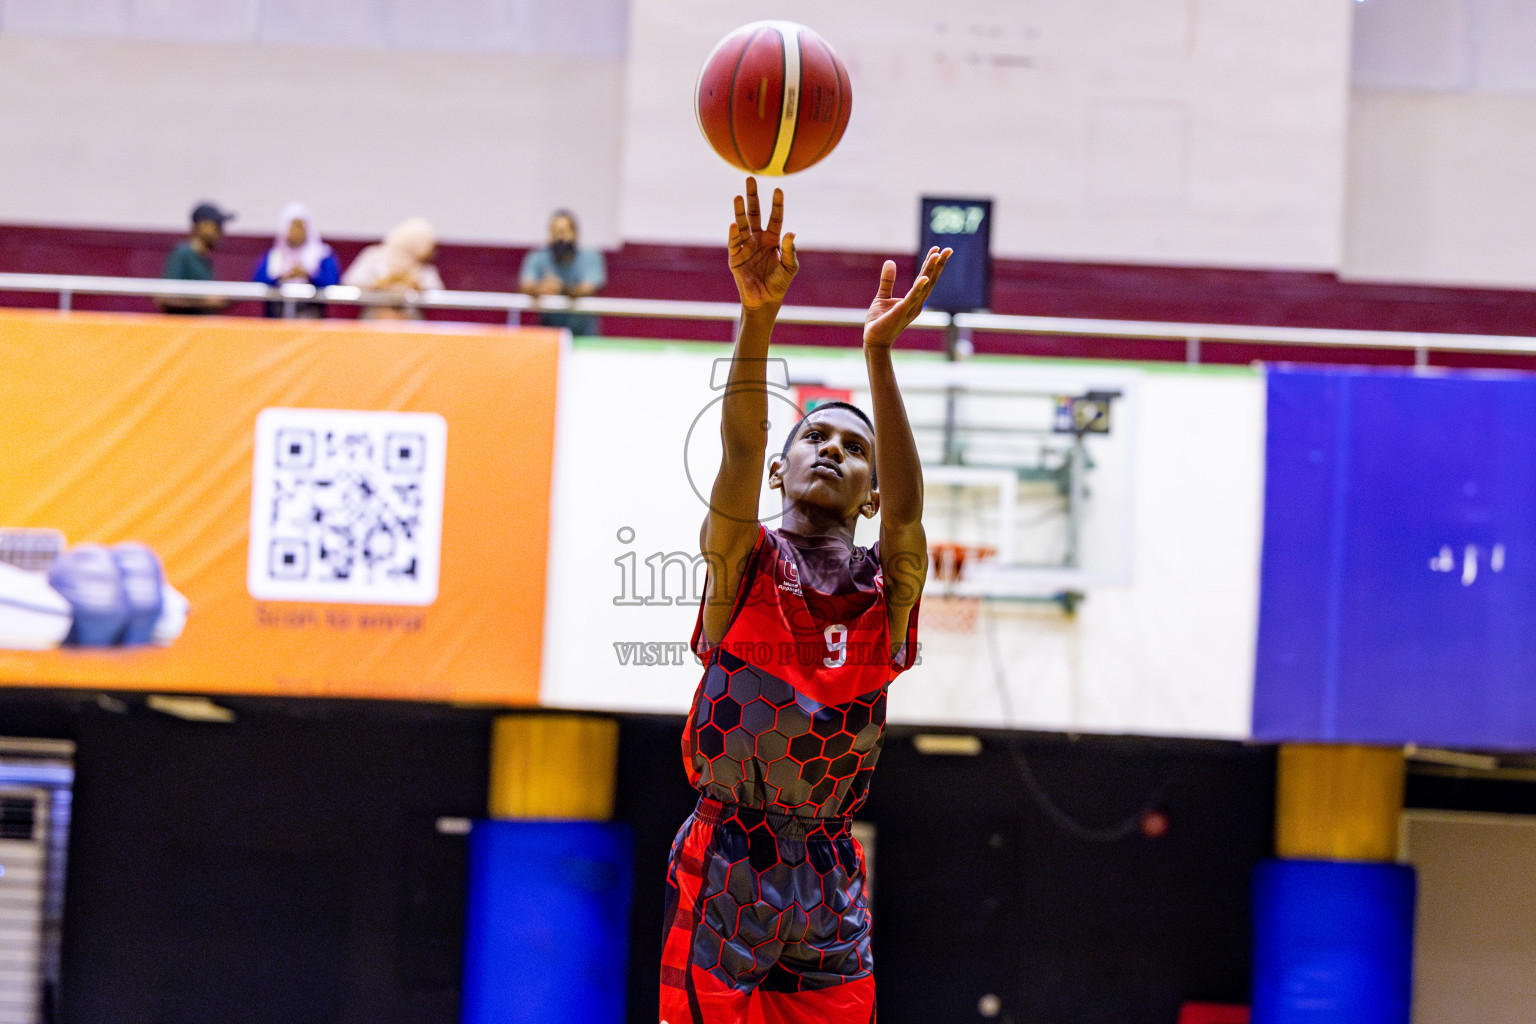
(944, 610)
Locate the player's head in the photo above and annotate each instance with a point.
(208, 223)
(414, 239)
(828, 462)
(295, 225)
(563, 234)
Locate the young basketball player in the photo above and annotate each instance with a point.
(801, 632)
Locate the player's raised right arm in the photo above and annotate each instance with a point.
(763, 267)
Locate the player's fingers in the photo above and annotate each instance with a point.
(931, 262)
(887, 280)
(918, 297)
(754, 206)
(776, 212)
(741, 216)
(787, 255)
(923, 286)
(913, 303)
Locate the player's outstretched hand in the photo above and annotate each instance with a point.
(761, 262)
(889, 316)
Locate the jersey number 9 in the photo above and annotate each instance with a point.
(837, 646)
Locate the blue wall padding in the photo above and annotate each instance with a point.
(1333, 943)
(1399, 560)
(547, 928)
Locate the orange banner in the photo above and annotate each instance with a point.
(295, 508)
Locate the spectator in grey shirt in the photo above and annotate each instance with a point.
(561, 268)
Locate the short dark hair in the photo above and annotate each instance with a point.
(568, 215)
(860, 413)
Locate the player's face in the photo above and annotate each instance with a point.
(209, 231)
(831, 462)
(562, 229)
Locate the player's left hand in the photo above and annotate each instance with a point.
(888, 316)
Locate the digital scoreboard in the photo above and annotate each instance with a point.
(964, 225)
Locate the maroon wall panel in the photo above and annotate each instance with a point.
(1177, 294)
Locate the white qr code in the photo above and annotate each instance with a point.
(347, 506)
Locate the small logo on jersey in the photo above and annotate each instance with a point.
(789, 577)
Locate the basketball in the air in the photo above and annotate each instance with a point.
(773, 98)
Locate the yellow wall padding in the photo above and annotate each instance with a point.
(1338, 802)
(553, 766)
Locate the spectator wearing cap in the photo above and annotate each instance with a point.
(563, 268)
(192, 260)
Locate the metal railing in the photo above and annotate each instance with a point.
(513, 304)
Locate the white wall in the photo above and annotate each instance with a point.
(129, 133)
(1160, 131)
(583, 28)
(1441, 155)
(1440, 188)
(1169, 652)
(1445, 45)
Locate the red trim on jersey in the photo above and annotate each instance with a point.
(711, 1001)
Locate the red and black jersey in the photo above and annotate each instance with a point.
(790, 714)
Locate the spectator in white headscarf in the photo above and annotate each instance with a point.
(400, 263)
(298, 256)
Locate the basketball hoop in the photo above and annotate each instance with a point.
(945, 611)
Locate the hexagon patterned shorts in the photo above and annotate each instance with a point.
(768, 912)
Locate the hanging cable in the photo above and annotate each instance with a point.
(1043, 801)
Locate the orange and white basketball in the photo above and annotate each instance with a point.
(773, 98)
